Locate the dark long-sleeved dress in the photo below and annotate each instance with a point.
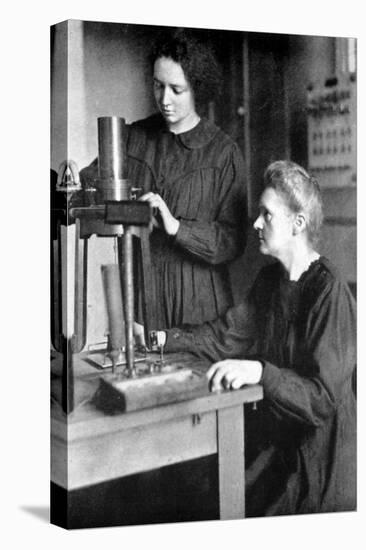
(200, 176)
(304, 333)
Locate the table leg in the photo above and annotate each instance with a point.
(230, 440)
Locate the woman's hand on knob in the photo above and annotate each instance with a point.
(167, 220)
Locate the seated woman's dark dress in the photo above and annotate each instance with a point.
(304, 333)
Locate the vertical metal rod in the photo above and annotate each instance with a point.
(80, 305)
(67, 380)
(129, 298)
(120, 255)
(56, 290)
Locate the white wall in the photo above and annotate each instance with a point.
(99, 69)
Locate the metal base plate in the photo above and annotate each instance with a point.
(102, 359)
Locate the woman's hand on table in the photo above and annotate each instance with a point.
(234, 373)
(169, 222)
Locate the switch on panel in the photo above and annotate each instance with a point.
(331, 112)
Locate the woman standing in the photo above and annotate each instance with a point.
(192, 174)
(296, 335)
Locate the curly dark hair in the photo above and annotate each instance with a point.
(196, 58)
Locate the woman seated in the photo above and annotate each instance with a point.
(295, 333)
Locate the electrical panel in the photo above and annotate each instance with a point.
(332, 129)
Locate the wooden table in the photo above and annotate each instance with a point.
(89, 446)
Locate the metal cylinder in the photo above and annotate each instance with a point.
(113, 295)
(112, 147)
(112, 168)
